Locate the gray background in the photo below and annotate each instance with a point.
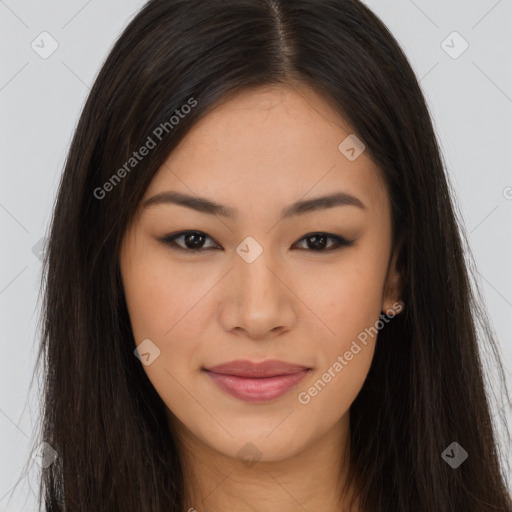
(469, 95)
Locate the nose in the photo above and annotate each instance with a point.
(258, 300)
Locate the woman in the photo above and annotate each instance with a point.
(256, 295)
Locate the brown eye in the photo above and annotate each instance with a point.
(193, 241)
(317, 242)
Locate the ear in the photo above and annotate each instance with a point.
(393, 286)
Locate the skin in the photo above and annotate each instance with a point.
(259, 152)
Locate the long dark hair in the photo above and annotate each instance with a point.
(426, 387)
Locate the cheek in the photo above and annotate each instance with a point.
(159, 295)
(347, 298)
(349, 304)
(151, 298)
(166, 303)
(163, 302)
(344, 355)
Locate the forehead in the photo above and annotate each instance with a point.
(277, 143)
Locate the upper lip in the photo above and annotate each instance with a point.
(245, 368)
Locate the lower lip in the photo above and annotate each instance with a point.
(252, 389)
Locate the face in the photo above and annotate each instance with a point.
(257, 279)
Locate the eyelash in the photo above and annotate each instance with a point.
(340, 241)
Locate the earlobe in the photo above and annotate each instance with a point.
(396, 308)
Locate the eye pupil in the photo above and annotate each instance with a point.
(189, 238)
(316, 245)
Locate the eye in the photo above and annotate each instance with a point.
(193, 241)
(317, 242)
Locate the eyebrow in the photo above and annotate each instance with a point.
(205, 205)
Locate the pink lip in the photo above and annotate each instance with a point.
(257, 382)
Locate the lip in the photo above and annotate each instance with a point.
(257, 382)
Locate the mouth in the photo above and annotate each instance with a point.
(257, 382)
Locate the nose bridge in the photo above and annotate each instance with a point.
(258, 300)
(256, 282)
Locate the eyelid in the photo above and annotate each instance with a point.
(340, 241)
